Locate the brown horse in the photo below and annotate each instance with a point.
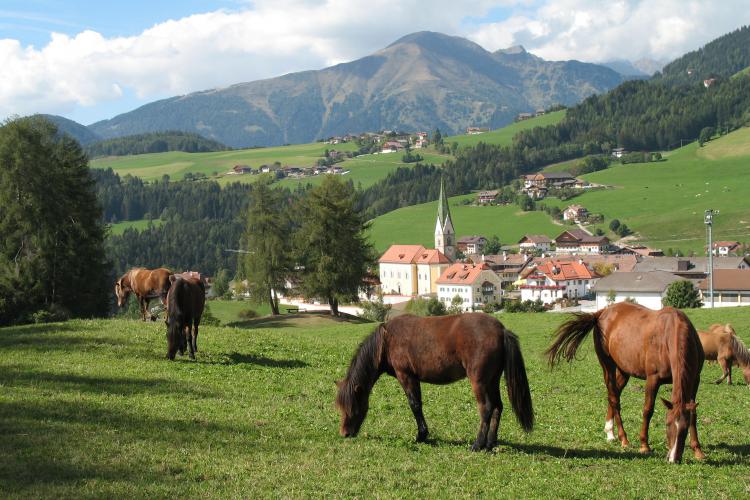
(661, 347)
(146, 284)
(720, 343)
(185, 301)
(439, 350)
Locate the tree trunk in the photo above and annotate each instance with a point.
(334, 303)
(275, 304)
(272, 303)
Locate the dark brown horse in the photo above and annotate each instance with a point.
(185, 302)
(146, 284)
(660, 347)
(439, 350)
(720, 343)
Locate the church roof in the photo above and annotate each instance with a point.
(401, 254)
(432, 256)
(444, 212)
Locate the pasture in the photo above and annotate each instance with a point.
(139, 225)
(504, 136)
(90, 408)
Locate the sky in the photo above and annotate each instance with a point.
(91, 60)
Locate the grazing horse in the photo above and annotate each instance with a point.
(146, 284)
(185, 302)
(720, 343)
(660, 347)
(439, 350)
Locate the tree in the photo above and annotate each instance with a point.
(456, 306)
(437, 137)
(614, 225)
(705, 135)
(220, 285)
(266, 265)
(682, 294)
(376, 310)
(331, 243)
(52, 246)
(493, 246)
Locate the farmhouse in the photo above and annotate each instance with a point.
(410, 269)
(476, 130)
(615, 262)
(619, 152)
(241, 169)
(646, 289)
(575, 213)
(507, 266)
(524, 116)
(471, 244)
(532, 242)
(578, 241)
(555, 280)
(726, 247)
(731, 288)
(486, 197)
(640, 250)
(476, 284)
(691, 268)
(391, 147)
(537, 185)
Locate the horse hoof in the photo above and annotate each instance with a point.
(625, 443)
(476, 447)
(422, 438)
(699, 455)
(646, 450)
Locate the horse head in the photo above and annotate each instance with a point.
(122, 291)
(728, 329)
(678, 424)
(352, 403)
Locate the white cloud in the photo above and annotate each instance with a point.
(275, 37)
(595, 31)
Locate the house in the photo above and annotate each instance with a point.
(575, 213)
(533, 242)
(403, 268)
(726, 247)
(471, 244)
(476, 130)
(524, 116)
(486, 197)
(647, 289)
(476, 284)
(539, 112)
(708, 82)
(537, 185)
(619, 152)
(241, 169)
(508, 266)
(555, 280)
(691, 268)
(391, 147)
(615, 262)
(731, 288)
(421, 143)
(578, 241)
(640, 250)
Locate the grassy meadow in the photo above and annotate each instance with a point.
(91, 408)
(504, 136)
(139, 225)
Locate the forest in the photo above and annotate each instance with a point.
(155, 142)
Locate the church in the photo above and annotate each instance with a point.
(411, 270)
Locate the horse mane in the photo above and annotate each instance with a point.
(685, 376)
(363, 369)
(740, 351)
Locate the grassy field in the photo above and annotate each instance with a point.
(416, 224)
(140, 225)
(504, 136)
(91, 409)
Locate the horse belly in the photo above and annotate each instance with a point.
(440, 373)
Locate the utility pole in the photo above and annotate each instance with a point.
(709, 221)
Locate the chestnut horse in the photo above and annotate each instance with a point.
(439, 350)
(185, 302)
(720, 343)
(146, 284)
(660, 347)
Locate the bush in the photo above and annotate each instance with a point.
(490, 308)
(208, 317)
(375, 310)
(50, 314)
(682, 294)
(435, 307)
(457, 305)
(248, 314)
(423, 307)
(525, 306)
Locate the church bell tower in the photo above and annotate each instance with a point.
(445, 235)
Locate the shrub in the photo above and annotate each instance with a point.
(208, 317)
(50, 314)
(375, 310)
(435, 307)
(248, 314)
(682, 294)
(456, 306)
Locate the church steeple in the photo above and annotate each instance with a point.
(444, 233)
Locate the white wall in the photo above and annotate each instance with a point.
(652, 300)
(397, 278)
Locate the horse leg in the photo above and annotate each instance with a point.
(484, 404)
(726, 372)
(497, 411)
(652, 388)
(142, 303)
(413, 391)
(187, 340)
(615, 381)
(694, 443)
(195, 337)
(146, 310)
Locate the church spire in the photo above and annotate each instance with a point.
(444, 232)
(444, 212)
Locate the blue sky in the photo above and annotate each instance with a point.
(90, 60)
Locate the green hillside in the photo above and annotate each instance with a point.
(140, 225)
(92, 409)
(416, 224)
(504, 136)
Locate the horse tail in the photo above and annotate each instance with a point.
(517, 383)
(570, 335)
(741, 354)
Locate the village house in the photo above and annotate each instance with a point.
(647, 289)
(508, 266)
(524, 116)
(539, 112)
(576, 213)
(691, 268)
(641, 250)
(555, 280)
(731, 288)
(410, 270)
(578, 241)
(392, 147)
(487, 197)
(619, 152)
(708, 82)
(535, 242)
(726, 247)
(471, 244)
(537, 185)
(476, 284)
(615, 262)
(476, 130)
(241, 169)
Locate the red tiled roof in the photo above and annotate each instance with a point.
(559, 271)
(432, 256)
(401, 254)
(461, 274)
(536, 238)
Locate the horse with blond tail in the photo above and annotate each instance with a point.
(721, 343)
(660, 347)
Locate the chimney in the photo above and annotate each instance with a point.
(505, 255)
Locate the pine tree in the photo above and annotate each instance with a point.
(331, 243)
(266, 265)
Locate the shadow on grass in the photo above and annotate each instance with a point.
(236, 358)
(741, 454)
(295, 320)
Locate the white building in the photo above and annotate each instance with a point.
(410, 270)
(532, 242)
(554, 280)
(725, 248)
(476, 284)
(647, 289)
(731, 288)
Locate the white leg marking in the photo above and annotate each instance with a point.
(609, 426)
(673, 451)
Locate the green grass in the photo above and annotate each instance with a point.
(91, 409)
(140, 225)
(504, 136)
(416, 224)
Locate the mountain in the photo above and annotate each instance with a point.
(626, 68)
(649, 66)
(422, 81)
(79, 132)
(722, 58)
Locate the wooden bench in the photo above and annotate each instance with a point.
(291, 310)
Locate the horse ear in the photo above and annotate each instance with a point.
(668, 404)
(172, 278)
(691, 406)
(728, 328)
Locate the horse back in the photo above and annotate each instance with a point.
(186, 300)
